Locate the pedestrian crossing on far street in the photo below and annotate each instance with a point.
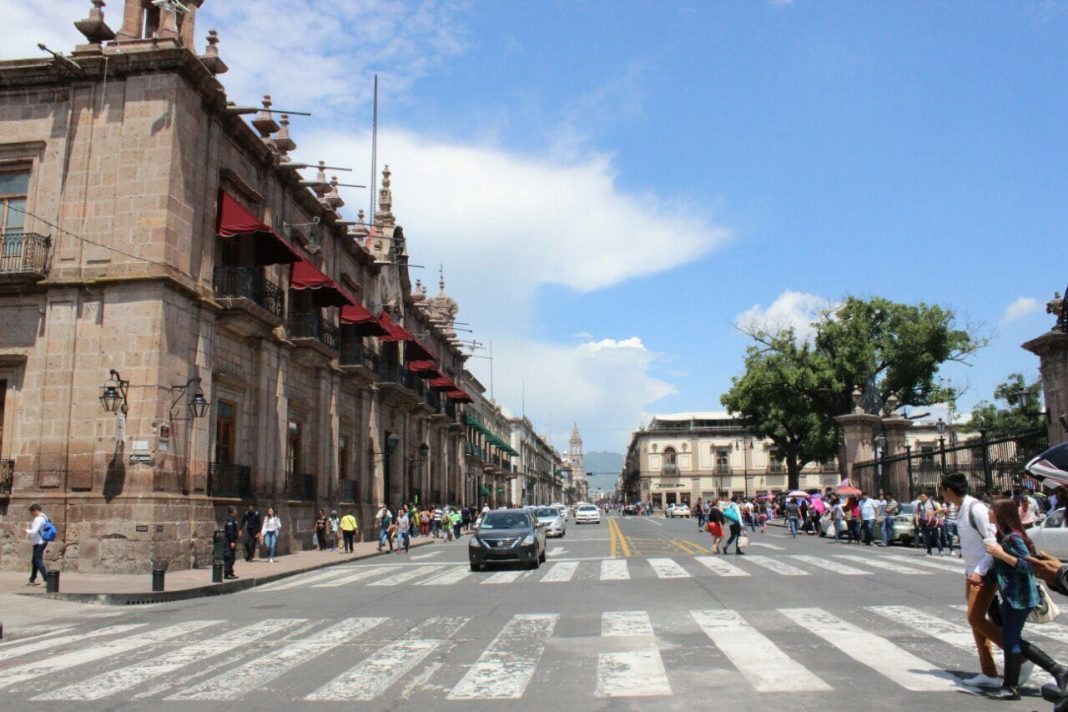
(503, 656)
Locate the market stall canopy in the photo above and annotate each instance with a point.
(269, 248)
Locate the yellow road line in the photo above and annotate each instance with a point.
(622, 540)
(612, 538)
(679, 545)
(695, 547)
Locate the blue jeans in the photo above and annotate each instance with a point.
(383, 539)
(868, 527)
(1012, 625)
(792, 522)
(270, 540)
(888, 531)
(37, 562)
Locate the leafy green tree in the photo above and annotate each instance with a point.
(885, 348)
(1023, 412)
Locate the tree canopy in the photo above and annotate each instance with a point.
(792, 388)
(1024, 412)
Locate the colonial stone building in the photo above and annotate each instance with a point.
(188, 322)
(540, 479)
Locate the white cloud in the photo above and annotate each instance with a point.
(1023, 306)
(793, 310)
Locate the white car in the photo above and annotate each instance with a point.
(678, 510)
(587, 513)
(1051, 536)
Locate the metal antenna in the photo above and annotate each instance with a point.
(374, 154)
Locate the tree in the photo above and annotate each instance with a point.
(884, 348)
(1019, 416)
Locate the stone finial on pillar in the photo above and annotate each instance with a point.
(210, 58)
(283, 141)
(857, 429)
(93, 27)
(332, 197)
(384, 216)
(264, 121)
(858, 396)
(1052, 351)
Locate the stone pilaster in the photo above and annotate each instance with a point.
(1052, 351)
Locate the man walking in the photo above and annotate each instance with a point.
(36, 533)
(251, 523)
(435, 522)
(889, 512)
(231, 533)
(348, 531)
(384, 517)
(867, 518)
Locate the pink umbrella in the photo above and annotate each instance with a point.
(848, 491)
(798, 493)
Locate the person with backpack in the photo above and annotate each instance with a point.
(41, 532)
(733, 516)
(384, 517)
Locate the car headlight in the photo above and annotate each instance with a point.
(528, 540)
(475, 543)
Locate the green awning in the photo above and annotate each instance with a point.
(484, 491)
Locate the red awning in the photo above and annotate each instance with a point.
(425, 368)
(363, 322)
(414, 349)
(325, 291)
(270, 248)
(443, 384)
(459, 395)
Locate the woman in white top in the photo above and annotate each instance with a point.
(272, 524)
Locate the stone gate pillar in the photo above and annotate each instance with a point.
(896, 474)
(1052, 351)
(857, 428)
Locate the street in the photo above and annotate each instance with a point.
(796, 624)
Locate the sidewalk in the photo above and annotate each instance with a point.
(126, 589)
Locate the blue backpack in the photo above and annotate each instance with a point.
(48, 531)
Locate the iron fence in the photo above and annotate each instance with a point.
(229, 480)
(992, 465)
(300, 487)
(7, 477)
(249, 283)
(312, 326)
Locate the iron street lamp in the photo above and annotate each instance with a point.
(113, 393)
(424, 452)
(941, 425)
(197, 405)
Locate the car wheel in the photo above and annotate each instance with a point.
(534, 564)
(476, 567)
(541, 559)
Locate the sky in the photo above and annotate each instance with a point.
(613, 187)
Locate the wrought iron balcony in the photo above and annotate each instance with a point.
(7, 477)
(776, 468)
(229, 481)
(352, 352)
(723, 469)
(23, 255)
(475, 451)
(249, 283)
(671, 469)
(300, 487)
(346, 490)
(312, 326)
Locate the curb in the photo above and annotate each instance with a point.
(213, 589)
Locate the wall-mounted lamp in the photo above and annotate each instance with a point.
(424, 452)
(197, 405)
(113, 393)
(392, 441)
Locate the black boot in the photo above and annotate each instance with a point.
(1038, 657)
(1009, 689)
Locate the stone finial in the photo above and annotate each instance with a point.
(858, 396)
(93, 27)
(384, 216)
(441, 278)
(333, 198)
(210, 58)
(892, 404)
(264, 121)
(282, 140)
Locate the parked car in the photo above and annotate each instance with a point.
(586, 514)
(1052, 535)
(678, 510)
(507, 535)
(904, 526)
(554, 520)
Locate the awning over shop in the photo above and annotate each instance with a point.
(444, 383)
(365, 323)
(413, 348)
(269, 248)
(459, 396)
(484, 491)
(325, 291)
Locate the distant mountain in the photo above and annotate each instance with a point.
(606, 467)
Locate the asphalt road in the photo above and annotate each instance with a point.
(798, 624)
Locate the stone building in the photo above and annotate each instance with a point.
(188, 321)
(686, 456)
(489, 455)
(539, 480)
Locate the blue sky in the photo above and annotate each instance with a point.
(612, 185)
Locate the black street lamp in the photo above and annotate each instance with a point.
(941, 425)
(424, 452)
(113, 393)
(197, 405)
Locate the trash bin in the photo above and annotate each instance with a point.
(157, 579)
(217, 556)
(52, 582)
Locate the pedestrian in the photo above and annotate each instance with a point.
(1016, 585)
(272, 527)
(867, 517)
(837, 519)
(231, 533)
(349, 527)
(335, 525)
(793, 516)
(950, 530)
(424, 522)
(699, 512)
(762, 517)
(384, 518)
(733, 517)
(321, 530)
(435, 522)
(403, 531)
(852, 520)
(251, 522)
(457, 520)
(715, 527)
(889, 511)
(40, 532)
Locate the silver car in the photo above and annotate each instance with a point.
(554, 520)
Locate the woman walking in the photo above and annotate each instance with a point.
(715, 527)
(320, 530)
(272, 525)
(837, 519)
(1016, 585)
(404, 524)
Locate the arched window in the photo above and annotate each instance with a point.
(669, 456)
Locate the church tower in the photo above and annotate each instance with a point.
(574, 454)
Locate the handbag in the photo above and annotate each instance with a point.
(743, 542)
(1046, 610)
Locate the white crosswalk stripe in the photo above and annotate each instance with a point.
(234, 684)
(617, 624)
(300, 581)
(634, 672)
(879, 562)
(776, 565)
(504, 577)
(720, 566)
(560, 573)
(828, 565)
(453, 575)
(614, 570)
(364, 573)
(931, 563)
(668, 569)
(764, 665)
(504, 670)
(408, 575)
(878, 653)
(27, 648)
(111, 683)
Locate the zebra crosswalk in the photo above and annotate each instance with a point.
(616, 569)
(637, 653)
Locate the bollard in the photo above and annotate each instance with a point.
(157, 579)
(52, 582)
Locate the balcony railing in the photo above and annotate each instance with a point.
(249, 283)
(475, 451)
(229, 480)
(7, 477)
(300, 487)
(312, 326)
(723, 469)
(776, 468)
(23, 253)
(671, 469)
(346, 490)
(352, 353)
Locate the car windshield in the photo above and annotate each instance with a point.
(906, 509)
(505, 520)
(588, 508)
(546, 512)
